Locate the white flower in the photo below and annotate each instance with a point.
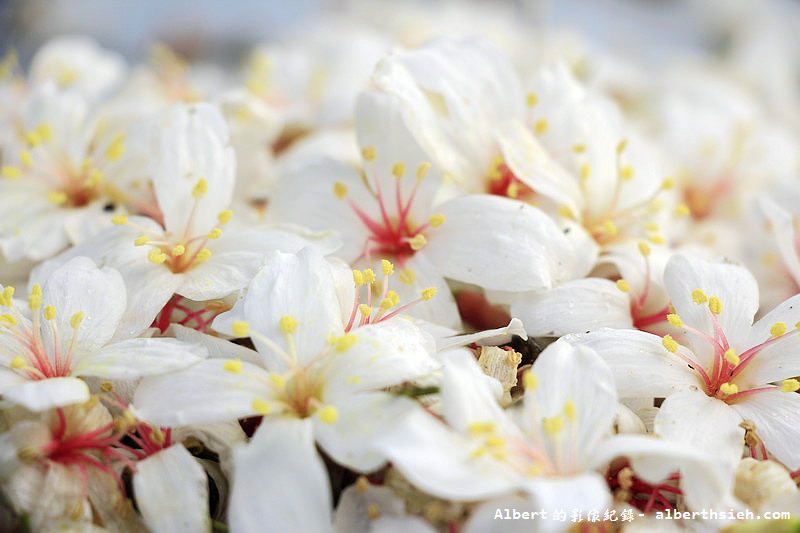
(71, 329)
(321, 357)
(64, 169)
(390, 211)
(727, 370)
(185, 250)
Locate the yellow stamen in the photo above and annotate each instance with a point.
(530, 380)
(644, 248)
(369, 275)
(669, 343)
(623, 285)
(18, 363)
(699, 297)
(429, 293)
(398, 170)
(328, 414)
(418, 242)
(233, 365)
(674, 320)
(119, 219)
(387, 267)
(777, 329)
(76, 320)
(731, 357)
(541, 126)
(365, 310)
(49, 312)
(436, 220)
(790, 385)
(358, 278)
(569, 410)
(225, 216)
(12, 172)
(715, 305)
(261, 407)
(340, 189)
(200, 188)
(531, 99)
(368, 153)
(215, 233)
(35, 299)
(240, 328)
(422, 170)
(553, 425)
(156, 256)
(729, 388)
(287, 324)
(178, 250)
(60, 197)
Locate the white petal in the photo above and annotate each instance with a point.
(385, 354)
(585, 492)
(304, 195)
(575, 374)
(781, 358)
(280, 483)
(439, 461)
(79, 286)
(532, 165)
(135, 358)
(732, 284)
(171, 491)
(353, 513)
(575, 307)
(467, 398)
(48, 393)
(300, 286)
(489, 337)
(192, 144)
(498, 244)
(383, 124)
(362, 418)
(203, 393)
(710, 425)
(775, 416)
(217, 347)
(642, 367)
(705, 484)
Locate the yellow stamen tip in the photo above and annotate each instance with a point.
(667, 184)
(369, 275)
(777, 329)
(233, 365)
(715, 305)
(530, 380)
(340, 189)
(116, 148)
(682, 210)
(429, 293)
(623, 285)
(674, 320)
(200, 188)
(553, 425)
(203, 255)
(141, 241)
(699, 297)
(35, 298)
(365, 310)
(25, 158)
(531, 99)
(644, 248)
(328, 414)
(18, 363)
(368, 153)
(569, 410)
(358, 278)
(790, 385)
(261, 407)
(579, 148)
(418, 242)
(178, 250)
(60, 197)
(541, 126)
(119, 219)
(407, 276)
(277, 380)
(387, 267)
(669, 343)
(731, 357)
(156, 256)
(215, 233)
(12, 172)
(49, 312)
(622, 145)
(626, 173)
(225, 216)
(386, 303)
(287, 324)
(76, 320)
(240, 328)
(398, 170)
(436, 220)
(729, 388)
(423, 169)
(585, 171)
(345, 342)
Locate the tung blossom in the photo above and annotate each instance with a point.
(72, 328)
(725, 369)
(389, 210)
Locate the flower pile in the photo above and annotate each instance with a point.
(393, 281)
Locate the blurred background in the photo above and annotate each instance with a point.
(216, 29)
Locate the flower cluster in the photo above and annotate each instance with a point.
(392, 280)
